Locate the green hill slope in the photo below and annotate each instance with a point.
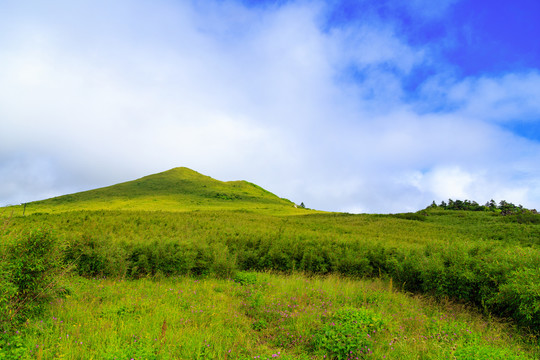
(178, 189)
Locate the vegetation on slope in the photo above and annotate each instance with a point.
(178, 189)
(259, 316)
(221, 230)
(475, 257)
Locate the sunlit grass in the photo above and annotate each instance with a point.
(175, 190)
(276, 317)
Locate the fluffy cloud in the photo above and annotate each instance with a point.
(93, 94)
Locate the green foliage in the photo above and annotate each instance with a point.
(94, 256)
(259, 325)
(410, 216)
(245, 278)
(29, 274)
(12, 346)
(349, 333)
(464, 255)
(504, 207)
(178, 189)
(519, 297)
(524, 218)
(478, 351)
(277, 317)
(477, 257)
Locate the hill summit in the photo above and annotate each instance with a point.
(178, 189)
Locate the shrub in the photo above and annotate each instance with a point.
(223, 264)
(348, 333)
(486, 352)
(520, 297)
(95, 256)
(410, 216)
(30, 272)
(245, 278)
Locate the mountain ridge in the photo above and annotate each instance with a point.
(176, 189)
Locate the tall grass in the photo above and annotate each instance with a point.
(273, 316)
(474, 257)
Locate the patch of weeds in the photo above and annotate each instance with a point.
(120, 311)
(245, 278)
(348, 333)
(12, 346)
(486, 352)
(259, 325)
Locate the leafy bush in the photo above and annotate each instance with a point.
(520, 297)
(410, 216)
(524, 218)
(30, 271)
(245, 278)
(95, 256)
(348, 334)
(223, 263)
(486, 352)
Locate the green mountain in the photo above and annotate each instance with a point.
(178, 189)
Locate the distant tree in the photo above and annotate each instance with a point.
(302, 205)
(505, 207)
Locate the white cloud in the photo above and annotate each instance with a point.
(114, 92)
(501, 98)
(374, 44)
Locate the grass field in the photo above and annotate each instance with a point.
(181, 266)
(178, 189)
(271, 316)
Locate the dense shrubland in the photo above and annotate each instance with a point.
(479, 258)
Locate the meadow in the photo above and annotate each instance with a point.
(252, 276)
(258, 316)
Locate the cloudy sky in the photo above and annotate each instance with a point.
(359, 106)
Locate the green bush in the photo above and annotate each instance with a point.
(245, 278)
(223, 263)
(348, 333)
(30, 273)
(486, 352)
(410, 216)
(524, 218)
(520, 297)
(95, 256)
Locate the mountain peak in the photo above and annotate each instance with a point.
(177, 189)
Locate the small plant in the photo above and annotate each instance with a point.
(348, 334)
(259, 325)
(486, 352)
(245, 278)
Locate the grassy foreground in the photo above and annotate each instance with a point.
(178, 265)
(259, 316)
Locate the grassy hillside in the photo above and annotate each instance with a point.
(178, 265)
(483, 259)
(260, 316)
(178, 189)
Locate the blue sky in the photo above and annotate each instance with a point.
(358, 106)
